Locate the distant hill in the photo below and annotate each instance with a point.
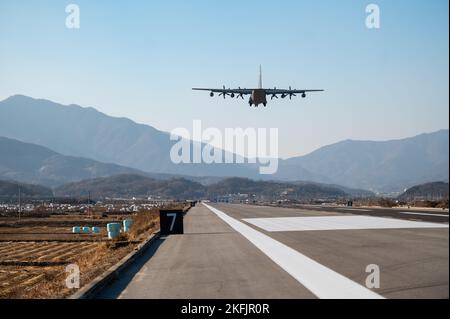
(128, 186)
(353, 192)
(35, 164)
(429, 191)
(389, 166)
(274, 189)
(11, 189)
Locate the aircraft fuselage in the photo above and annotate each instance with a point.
(258, 97)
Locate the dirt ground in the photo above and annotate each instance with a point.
(34, 252)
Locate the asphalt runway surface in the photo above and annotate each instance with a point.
(400, 213)
(258, 252)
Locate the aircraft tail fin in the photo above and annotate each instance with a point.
(260, 77)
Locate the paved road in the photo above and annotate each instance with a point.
(224, 255)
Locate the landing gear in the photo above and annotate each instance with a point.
(265, 104)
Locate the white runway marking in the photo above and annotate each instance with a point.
(356, 209)
(336, 223)
(320, 280)
(424, 214)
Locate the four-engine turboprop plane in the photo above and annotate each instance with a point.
(257, 96)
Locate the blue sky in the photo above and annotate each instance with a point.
(140, 59)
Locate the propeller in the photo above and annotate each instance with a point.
(274, 95)
(291, 94)
(240, 95)
(224, 94)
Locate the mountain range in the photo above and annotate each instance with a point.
(76, 177)
(73, 143)
(31, 163)
(35, 164)
(389, 166)
(84, 132)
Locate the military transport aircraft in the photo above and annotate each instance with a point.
(257, 96)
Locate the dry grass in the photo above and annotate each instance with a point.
(144, 222)
(42, 281)
(92, 264)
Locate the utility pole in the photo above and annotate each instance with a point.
(20, 202)
(89, 205)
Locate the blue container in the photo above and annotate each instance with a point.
(113, 227)
(95, 230)
(76, 230)
(127, 224)
(86, 230)
(113, 235)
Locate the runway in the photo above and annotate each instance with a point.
(225, 253)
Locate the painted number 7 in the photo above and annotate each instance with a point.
(174, 217)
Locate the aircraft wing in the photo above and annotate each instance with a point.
(225, 91)
(288, 92)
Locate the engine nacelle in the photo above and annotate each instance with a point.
(211, 94)
(303, 95)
